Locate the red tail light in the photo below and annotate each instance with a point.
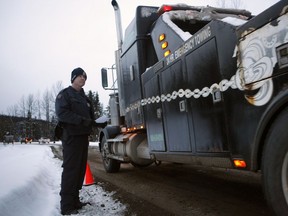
(164, 8)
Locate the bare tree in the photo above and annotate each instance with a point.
(34, 105)
(38, 109)
(46, 104)
(30, 104)
(22, 107)
(56, 88)
(13, 110)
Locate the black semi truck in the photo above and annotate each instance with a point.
(202, 85)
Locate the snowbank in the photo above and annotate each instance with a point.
(30, 184)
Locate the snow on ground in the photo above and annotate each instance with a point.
(30, 184)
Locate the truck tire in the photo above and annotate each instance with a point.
(110, 165)
(275, 165)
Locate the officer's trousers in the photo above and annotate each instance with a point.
(75, 153)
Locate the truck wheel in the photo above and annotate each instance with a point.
(275, 165)
(110, 165)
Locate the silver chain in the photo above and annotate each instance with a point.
(187, 93)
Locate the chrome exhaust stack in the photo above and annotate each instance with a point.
(118, 23)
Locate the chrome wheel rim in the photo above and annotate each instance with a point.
(104, 153)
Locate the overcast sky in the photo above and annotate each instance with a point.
(42, 41)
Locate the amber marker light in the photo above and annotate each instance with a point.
(161, 37)
(164, 45)
(239, 163)
(166, 53)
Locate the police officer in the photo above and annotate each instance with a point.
(75, 113)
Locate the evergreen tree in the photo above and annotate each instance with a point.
(97, 106)
(97, 109)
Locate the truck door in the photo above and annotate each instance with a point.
(154, 119)
(206, 114)
(175, 115)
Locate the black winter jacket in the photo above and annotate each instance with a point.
(72, 108)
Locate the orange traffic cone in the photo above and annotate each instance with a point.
(88, 180)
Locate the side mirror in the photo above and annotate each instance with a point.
(104, 78)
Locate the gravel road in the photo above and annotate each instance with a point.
(180, 189)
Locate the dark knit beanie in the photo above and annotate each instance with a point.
(77, 72)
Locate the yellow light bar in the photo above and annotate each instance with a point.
(166, 53)
(164, 45)
(131, 129)
(162, 37)
(239, 163)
